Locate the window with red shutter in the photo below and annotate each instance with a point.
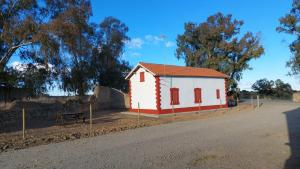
(142, 76)
(198, 97)
(218, 93)
(174, 94)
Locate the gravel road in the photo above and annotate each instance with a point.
(268, 138)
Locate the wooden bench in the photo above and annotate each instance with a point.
(72, 109)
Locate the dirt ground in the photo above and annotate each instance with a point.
(104, 122)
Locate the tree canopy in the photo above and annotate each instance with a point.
(59, 34)
(217, 44)
(273, 89)
(290, 24)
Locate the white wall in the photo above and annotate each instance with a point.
(186, 87)
(143, 92)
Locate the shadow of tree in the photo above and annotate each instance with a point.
(293, 124)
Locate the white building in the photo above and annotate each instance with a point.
(161, 89)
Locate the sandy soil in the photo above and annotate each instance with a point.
(104, 122)
(265, 138)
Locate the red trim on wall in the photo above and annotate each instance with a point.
(142, 76)
(145, 111)
(178, 110)
(174, 96)
(197, 95)
(226, 97)
(129, 93)
(188, 109)
(157, 93)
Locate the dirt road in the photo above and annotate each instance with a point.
(267, 138)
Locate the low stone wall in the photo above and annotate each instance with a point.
(36, 114)
(296, 97)
(110, 98)
(42, 111)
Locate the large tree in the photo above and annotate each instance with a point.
(25, 29)
(109, 67)
(53, 32)
(218, 44)
(78, 40)
(264, 87)
(273, 89)
(290, 24)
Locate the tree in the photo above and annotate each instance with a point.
(277, 89)
(24, 29)
(56, 32)
(78, 43)
(108, 66)
(35, 78)
(283, 90)
(216, 44)
(290, 24)
(263, 87)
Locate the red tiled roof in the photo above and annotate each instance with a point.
(172, 70)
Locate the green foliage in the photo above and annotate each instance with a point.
(271, 89)
(290, 24)
(264, 87)
(77, 79)
(59, 33)
(34, 77)
(24, 29)
(108, 67)
(216, 44)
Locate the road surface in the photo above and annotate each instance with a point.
(267, 138)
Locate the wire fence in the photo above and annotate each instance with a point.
(21, 116)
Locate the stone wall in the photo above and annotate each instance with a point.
(296, 97)
(42, 111)
(11, 93)
(110, 98)
(37, 114)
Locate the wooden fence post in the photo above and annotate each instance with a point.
(258, 104)
(92, 100)
(237, 104)
(23, 122)
(91, 117)
(252, 102)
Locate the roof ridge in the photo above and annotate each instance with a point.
(179, 66)
(174, 70)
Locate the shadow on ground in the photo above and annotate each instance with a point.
(293, 124)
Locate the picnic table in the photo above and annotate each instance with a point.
(72, 109)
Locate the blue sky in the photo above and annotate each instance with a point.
(155, 24)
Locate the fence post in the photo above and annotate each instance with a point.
(23, 121)
(237, 103)
(252, 102)
(258, 104)
(92, 100)
(220, 103)
(91, 116)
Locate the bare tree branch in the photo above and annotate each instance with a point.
(7, 55)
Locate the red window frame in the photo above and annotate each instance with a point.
(174, 96)
(218, 93)
(142, 76)
(198, 95)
